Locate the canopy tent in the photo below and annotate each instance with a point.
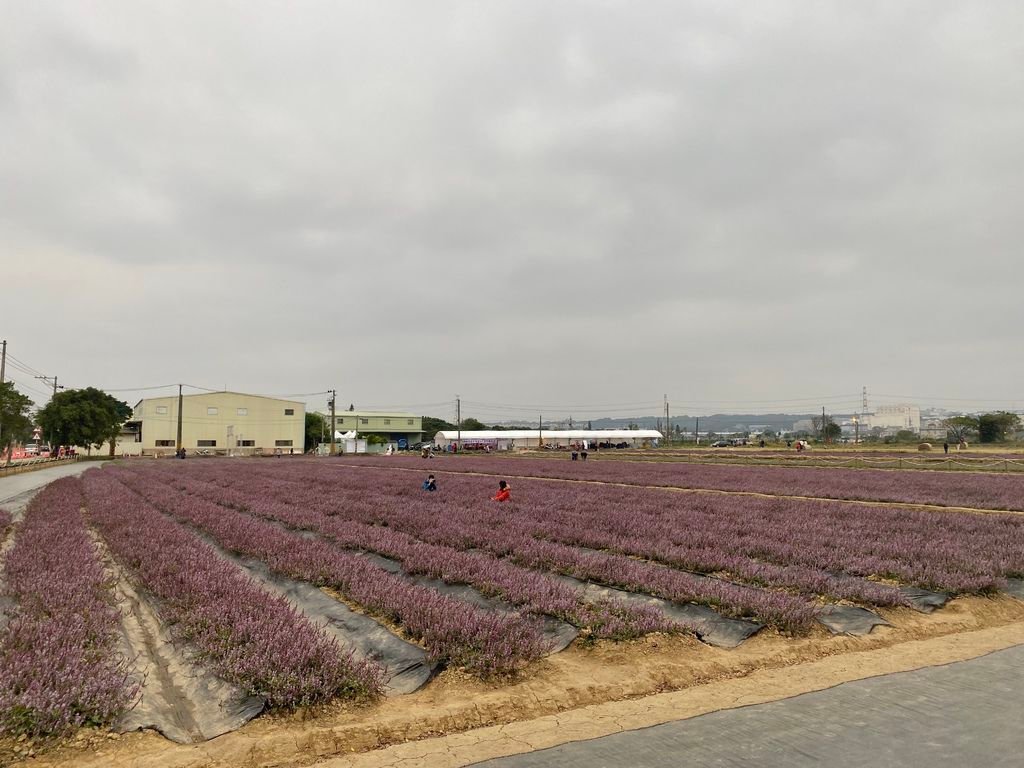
(504, 439)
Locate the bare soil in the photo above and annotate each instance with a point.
(583, 676)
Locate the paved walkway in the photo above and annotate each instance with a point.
(966, 714)
(16, 490)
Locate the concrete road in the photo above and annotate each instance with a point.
(969, 715)
(16, 490)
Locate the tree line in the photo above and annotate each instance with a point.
(82, 417)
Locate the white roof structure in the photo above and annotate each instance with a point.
(551, 434)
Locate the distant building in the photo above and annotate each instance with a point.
(219, 423)
(396, 427)
(803, 425)
(895, 418)
(933, 429)
(508, 439)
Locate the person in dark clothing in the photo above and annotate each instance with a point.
(430, 484)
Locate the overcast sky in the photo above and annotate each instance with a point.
(576, 205)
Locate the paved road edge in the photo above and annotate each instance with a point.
(614, 717)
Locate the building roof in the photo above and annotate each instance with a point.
(551, 434)
(221, 392)
(364, 414)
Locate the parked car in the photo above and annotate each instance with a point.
(721, 444)
(428, 444)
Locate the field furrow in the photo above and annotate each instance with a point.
(58, 663)
(246, 635)
(982, 491)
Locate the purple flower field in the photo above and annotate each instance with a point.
(59, 668)
(775, 560)
(172, 527)
(245, 634)
(452, 631)
(955, 489)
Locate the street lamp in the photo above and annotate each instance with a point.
(856, 430)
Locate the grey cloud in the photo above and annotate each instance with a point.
(515, 198)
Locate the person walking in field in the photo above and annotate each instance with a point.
(504, 492)
(430, 484)
(945, 447)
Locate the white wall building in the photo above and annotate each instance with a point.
(220, 423)
(893, 418)
(507, 439)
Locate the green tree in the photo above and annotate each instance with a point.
(993, 427)
(316, 429)
(85, 417)
(121, 413)
(825, 428)
(473, 425)
(15, 421)
(959, 428)
(433, 425)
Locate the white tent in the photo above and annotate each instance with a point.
(503, 439)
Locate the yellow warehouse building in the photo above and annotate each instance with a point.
(217, 423)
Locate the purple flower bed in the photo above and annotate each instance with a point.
(535, 592)
(59, 666)
(235, 627)
(812, 546)
(965, 489)
(408, 530)
(486, 643)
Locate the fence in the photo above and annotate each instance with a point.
(29, 465)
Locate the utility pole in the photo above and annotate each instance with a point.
(540, 431)
(458, 424)
(47, 380)
(823, 438)
(668, 426)
(334, 396)
(570, 422)
(696, 431)
(180, 403)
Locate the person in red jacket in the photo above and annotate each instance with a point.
(504, 492)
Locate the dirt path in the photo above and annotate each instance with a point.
(711, 491)
(605, 719)
(557, 687)
(183, 701)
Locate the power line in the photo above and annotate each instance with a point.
(28, 368)
(948, 399)
(30, 387)
(135, 389)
